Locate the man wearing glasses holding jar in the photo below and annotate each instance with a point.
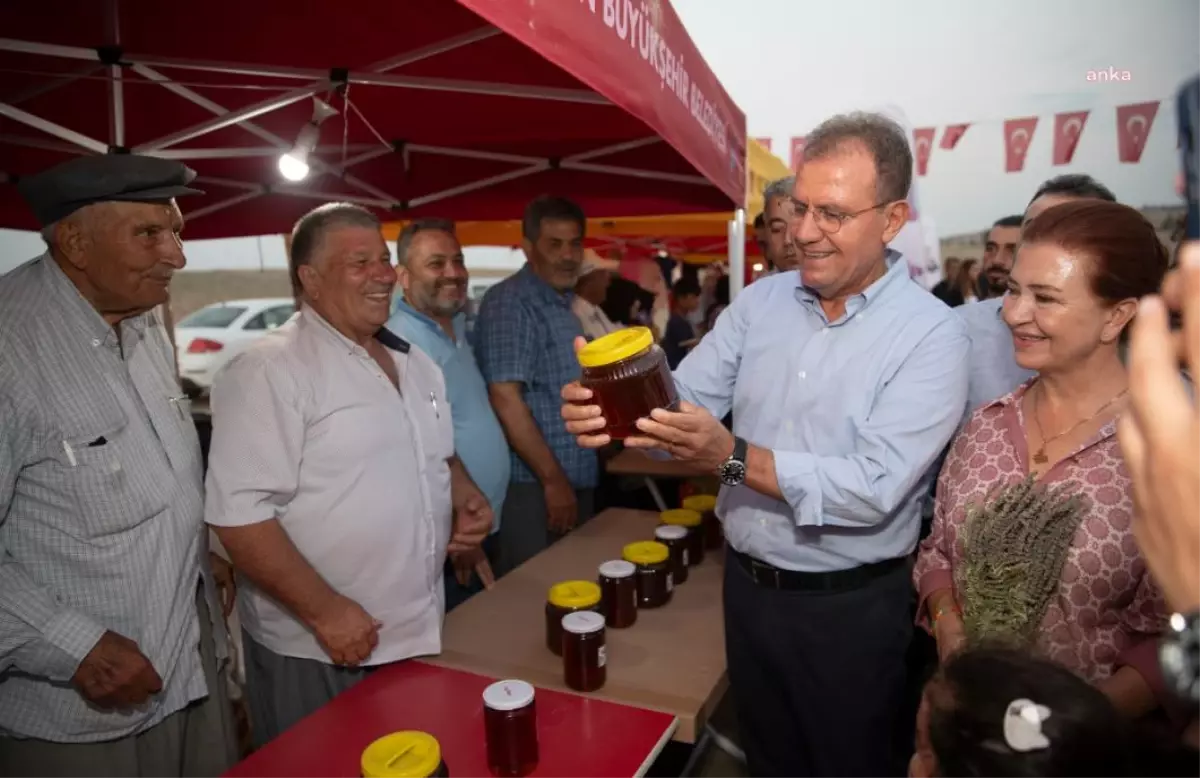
(846, 381)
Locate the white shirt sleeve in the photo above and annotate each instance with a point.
(257, 442)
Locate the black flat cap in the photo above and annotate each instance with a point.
(60, 191)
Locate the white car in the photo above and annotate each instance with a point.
(208, 338)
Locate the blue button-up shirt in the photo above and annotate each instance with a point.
(525, 333)
(478, 437)
(992, 362)
(855, 411)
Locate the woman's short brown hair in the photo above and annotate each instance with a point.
(1127, 259)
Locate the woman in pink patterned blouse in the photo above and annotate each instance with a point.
(1080, 270)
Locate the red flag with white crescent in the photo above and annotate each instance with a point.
(766, 143)
(797, 153)
(1067, 129)
(1018, 134)
(1133, 128)
(923, 143)
(953, 134)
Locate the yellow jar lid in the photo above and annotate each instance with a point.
(574, 594)
(408, 754)
(646, 552)
(700, 502)
(615, 346)
(681, 516)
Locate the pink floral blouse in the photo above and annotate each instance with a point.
(1107, 612)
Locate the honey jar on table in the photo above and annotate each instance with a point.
(510, 728)
(654, 580)
(585, 651)
(706, 506)
(675, 538)
(618, 593)
(567, 597)
(693, 522)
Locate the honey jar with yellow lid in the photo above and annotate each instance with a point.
(654, 581)
(629, 377)
(567, 597)
(408, 754)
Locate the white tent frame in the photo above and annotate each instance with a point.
(377, 75)
(148, 67)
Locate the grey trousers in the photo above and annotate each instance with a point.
(281, 690)
(523, 533)
(199, 740)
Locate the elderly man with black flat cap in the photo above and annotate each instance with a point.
(111, 636)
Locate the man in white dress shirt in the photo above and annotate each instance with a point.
(333, 481)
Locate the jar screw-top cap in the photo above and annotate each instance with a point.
(508, 695)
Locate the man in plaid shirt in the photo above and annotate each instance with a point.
(525, 335)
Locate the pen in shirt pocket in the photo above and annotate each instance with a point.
(433, 402)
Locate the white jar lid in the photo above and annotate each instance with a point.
(508, 695)
(670, 532)
(583, 622)
(617, 568)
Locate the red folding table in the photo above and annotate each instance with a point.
(577, 736)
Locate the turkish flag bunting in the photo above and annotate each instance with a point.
(766, 142)
(1067, 129)
(1018, 133)
(1133, 127)
(923, 143)
(797, 153)
(953, 134)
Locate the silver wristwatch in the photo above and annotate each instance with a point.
(732, 471)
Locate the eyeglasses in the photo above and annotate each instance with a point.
(827, 220)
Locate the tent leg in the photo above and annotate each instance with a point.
(737, 253)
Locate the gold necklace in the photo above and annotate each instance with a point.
(1039, 456)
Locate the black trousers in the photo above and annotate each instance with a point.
(817, 677)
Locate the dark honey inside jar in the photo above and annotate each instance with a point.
(654, 580)
(629, 377)
(693, 523)
(618, 593)
(676, 541)
(585, 654)
(706, 506)
(510, 728)
(567, 597)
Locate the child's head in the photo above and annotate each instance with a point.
(997, 712)
(686, 294)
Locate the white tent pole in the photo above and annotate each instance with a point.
(616, 148)
(434, 49)
(480, 184)
(221, 205)
(653, 175)
(50, 128)
(737, 253)
(230, 118)
(241, 152)
(116, 91)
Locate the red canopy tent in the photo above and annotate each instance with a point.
(458, 108)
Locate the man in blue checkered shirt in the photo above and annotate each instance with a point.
(524, 337)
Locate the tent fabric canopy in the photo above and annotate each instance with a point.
(695, 237)
(464, 109)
